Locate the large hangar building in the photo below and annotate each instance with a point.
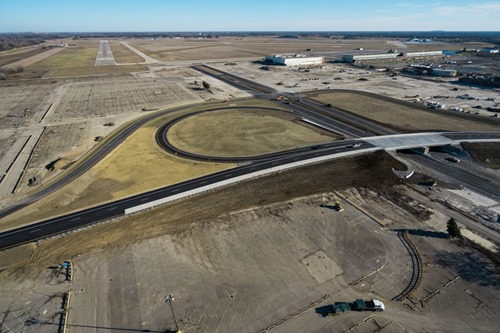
(293, 59)
(352, 58)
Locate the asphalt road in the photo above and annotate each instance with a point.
(93, 215)
(104, 55)
(478, 183)
(86, 164)
(339, 121)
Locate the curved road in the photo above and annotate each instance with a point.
(162, 140)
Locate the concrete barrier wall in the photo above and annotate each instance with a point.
(248, 176)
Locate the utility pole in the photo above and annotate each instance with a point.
(170, 299)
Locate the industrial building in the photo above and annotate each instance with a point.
(293, 59)
(352, 58)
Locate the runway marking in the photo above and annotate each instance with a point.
(35, 230)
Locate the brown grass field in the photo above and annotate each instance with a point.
(74, 61)
(240, 132)
(319, 178)
(404, 116)
(123, 54)
(136, 166)
(232, 47)
(10, 56)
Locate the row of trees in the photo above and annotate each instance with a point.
(12, 42)
(4, 72)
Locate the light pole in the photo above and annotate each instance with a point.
(169, 299)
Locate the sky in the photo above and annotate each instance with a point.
(247, 15)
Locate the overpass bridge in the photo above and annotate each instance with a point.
(430, 139)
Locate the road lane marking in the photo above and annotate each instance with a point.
(35, 230)
(76, 219)
(112, 208)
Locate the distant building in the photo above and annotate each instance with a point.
(394, 55)
(294, 59)
(488, 50)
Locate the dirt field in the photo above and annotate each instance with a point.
(116, 96)
(122, 54)
(300, 250)
(403, 117)
(15, 99)
(487, 154)
(239, 132)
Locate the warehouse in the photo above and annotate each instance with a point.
(293, 59)
(390, 56)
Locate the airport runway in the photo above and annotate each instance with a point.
(104, 55)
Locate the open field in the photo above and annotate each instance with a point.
(403, 116)
(243, 47)
(34, 58)
(123, 54)
(245, 270)
(76, 109)
(74, 61)
(238, 132)
(487, 154)
(11, 56)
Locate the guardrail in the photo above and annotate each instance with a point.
(248, 176)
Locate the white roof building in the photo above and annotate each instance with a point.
(294, 59)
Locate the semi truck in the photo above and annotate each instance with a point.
(358, 305)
